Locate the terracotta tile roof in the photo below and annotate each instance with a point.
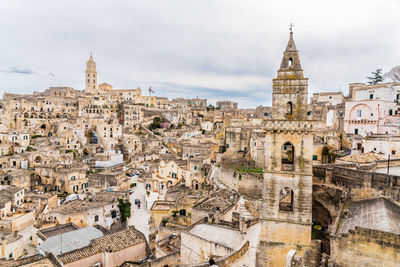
(213, 203)
(114, 242)
(364, 157)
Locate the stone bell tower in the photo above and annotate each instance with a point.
(286, 216)
(91, 76)
(290, 88)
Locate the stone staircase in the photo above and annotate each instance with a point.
(244, 212)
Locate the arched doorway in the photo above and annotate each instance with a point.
(322, 221)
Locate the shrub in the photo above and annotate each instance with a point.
(174, 213)
(164, 221)
(133, 185)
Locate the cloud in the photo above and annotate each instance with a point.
(18, 71)
(210, 48)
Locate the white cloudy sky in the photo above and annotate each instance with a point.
(218, 49)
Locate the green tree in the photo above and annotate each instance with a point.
(155, 124)
(376, 77)
(124, 209)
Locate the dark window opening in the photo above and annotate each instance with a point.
(289, 108)
(287, 153)
(286, 199)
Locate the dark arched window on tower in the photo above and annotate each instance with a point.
(286, 199)
(287, 157)
(289, 108)
(290, 61)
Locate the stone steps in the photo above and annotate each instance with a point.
(245, 213)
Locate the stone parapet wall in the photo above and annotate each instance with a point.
(167, 260)
(365, 247)
(289, 125)
(247, 184)
(223, 261)
(356, 180)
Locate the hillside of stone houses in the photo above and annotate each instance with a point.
(115, 177)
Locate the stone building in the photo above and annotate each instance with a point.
(227, 105)
(286, 216)
(84, 213)
(91, 76)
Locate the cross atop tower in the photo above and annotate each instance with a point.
(291, 27)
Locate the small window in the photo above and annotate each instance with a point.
(290, 61)
(96, 218)
(390, 112)
(286, 199)
(355, 131)
(393, 152)
(359, 113)
(315, 157)
(371, 96)
(289, 108)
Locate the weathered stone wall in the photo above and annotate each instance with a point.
(288, 237)
(365, 247)
(224, 261)
(168, 260)
(247, 184)
(359, 181)
(301, 185)
(195, 249)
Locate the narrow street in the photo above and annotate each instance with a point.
(139, 217)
